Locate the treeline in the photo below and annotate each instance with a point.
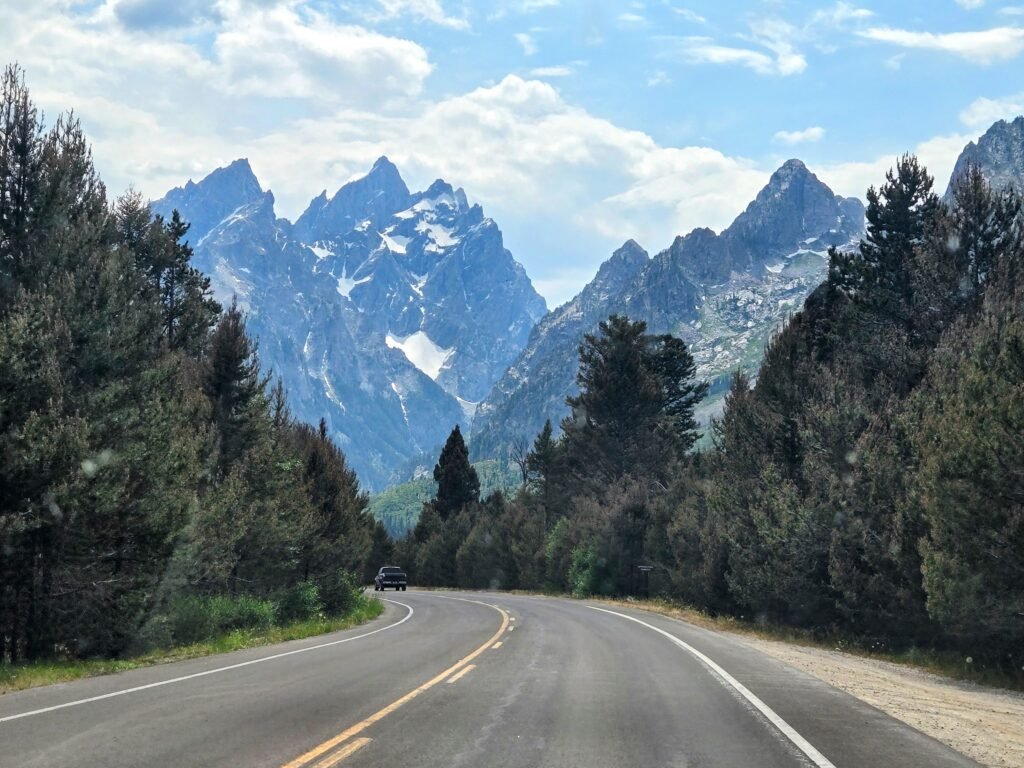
(153, 486)
(870, 484)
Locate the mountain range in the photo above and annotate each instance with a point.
(722, 293)
(387, 312)
(395, 314)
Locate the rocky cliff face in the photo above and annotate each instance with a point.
(387, 312)
(723, 293)
(999, 153)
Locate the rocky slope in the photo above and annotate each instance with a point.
(389, 313)
(723, 293)
(999, 153)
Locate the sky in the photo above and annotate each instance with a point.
(577, 125)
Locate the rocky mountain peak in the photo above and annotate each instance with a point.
(389, 313)
(999, 153)
(206, 203)
(372, 198)
(625, 263)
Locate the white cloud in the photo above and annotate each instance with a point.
(970, 5)
(814, 133)
(278, 51)
(981, 47)
(688, 15)
(560, 181)
(658, 78)
(779, 37)
(532, 6)
(559, 70)
(776, 36)
(632, 19)
(839, 14)
(937, 154)
(1012, 10)
(422, 10)
(894, 62)
(526, 42)
(981, 113)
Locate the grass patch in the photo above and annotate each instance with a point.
(18, 677)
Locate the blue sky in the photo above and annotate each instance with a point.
(575, 124)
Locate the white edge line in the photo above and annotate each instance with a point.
(787, 730)
(204, 673)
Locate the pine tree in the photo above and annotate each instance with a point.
(457, 483)
(235, 386)
(634, 411)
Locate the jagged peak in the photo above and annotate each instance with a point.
(383, 174)
(437, 189)
(238, 172)
(630, 251)
(627, 260)
(383, 163)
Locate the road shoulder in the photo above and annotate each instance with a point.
(980, 722)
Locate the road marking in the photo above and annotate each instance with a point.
(361, 726)
(218, 670)
(496, 645)
(787, 730)
(347, 751)
(459, 675)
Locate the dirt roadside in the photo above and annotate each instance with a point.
(985, 724)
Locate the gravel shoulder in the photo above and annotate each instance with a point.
(985, 724)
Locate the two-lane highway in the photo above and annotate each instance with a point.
(460, 679)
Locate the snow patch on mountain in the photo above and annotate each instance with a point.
(346, 284)
(421, 352)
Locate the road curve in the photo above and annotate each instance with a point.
(463, 679)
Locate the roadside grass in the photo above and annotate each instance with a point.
(938, 662)
(18, 677)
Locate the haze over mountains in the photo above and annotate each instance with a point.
(397, 314)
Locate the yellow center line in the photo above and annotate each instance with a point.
(361, 726)
(462, 673)
(347, 751)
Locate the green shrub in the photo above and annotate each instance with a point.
(157, 632)
(242, 612)
(193, 619)
(583, 572)
(340, 592)
(300, 602)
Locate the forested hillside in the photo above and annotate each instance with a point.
(869, 484)
(153, 487)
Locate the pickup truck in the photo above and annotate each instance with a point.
(390, 576)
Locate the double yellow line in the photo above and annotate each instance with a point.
(361, 726)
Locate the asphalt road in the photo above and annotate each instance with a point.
(440, 680)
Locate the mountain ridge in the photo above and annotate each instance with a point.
(721, 293)
(389, 313)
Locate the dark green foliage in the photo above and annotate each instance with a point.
(457, 481)
(869, 483)
(399, 507)
(339, 591)
(193, 619)
(634, 412)
(587, 506)
(150, 491)
(300, 602)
